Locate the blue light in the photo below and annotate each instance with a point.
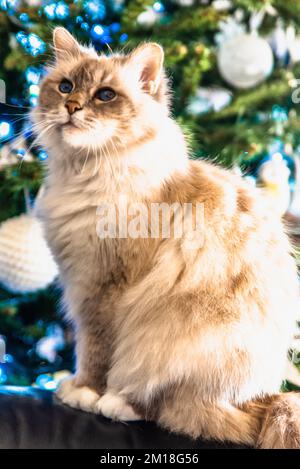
(101, 34)
(34, 90)
(95, 9)
(158, 7)
(20, 152)
(12, 4)
(35, 45)
(62, 10)
(123, 37)
(49, 11)
(42, 155)
(9, 4)
(279, 114)
(24, 17)
(5, 129)
(8, 358)
(79, 19)
(46, 382)
(22, 38)
(33, 100)
(85, 26)
(97, 30)
(32, 75)
(3, 376)
(115, 27)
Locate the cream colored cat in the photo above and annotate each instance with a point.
(193, 338)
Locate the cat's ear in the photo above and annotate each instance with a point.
(65, 45)
(148, 59)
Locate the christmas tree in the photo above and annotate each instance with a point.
(233, 66)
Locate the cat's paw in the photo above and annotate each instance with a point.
(81, 397)
(115, 407)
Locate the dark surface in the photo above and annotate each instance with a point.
(33, 418)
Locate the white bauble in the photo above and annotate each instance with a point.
(222, 5)
(147, 18)
(294, 50)
(26, 264)
(245, 60)
(184, 3)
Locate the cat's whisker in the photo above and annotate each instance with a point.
(86, 159)
(35, 141)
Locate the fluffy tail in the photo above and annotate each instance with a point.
(281, 423)
(271, 423)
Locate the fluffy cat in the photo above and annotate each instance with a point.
(195, 339)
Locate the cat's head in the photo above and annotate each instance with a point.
(91, 101)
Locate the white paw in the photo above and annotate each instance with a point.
(82, 397)
(115, 407)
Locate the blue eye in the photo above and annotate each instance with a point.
(65, 86)
(105, 94)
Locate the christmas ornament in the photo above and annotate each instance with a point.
(222, 5)
(230, 28)
(274, 177)
(149, 17)
(294, 50)
(184, 3)
(279, 42)
(245, 60)
(26, 264)
(209, 99)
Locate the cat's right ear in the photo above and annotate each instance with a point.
(65, 45)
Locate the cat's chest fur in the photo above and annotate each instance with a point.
(83, 255)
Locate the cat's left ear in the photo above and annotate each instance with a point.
(149, 59)
(64, 44)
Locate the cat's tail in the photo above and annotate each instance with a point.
(272, 422)
(281, 422)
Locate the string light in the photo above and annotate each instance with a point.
(5, 129)
(3, 377)
(34, 90)
(42, 155)
(32, 75)
(49, 11)
(24, 18)
(158, 7)
(85, 26)
(62, 10)
(95, 9)
(45, 381)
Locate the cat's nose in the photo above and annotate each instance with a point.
(73, 106)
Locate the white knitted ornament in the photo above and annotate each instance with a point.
(26, 263)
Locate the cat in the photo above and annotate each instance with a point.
(190, 333)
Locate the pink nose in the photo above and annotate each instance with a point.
(73, 106)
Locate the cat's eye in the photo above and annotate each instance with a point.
(105, 94)
(65, 86)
